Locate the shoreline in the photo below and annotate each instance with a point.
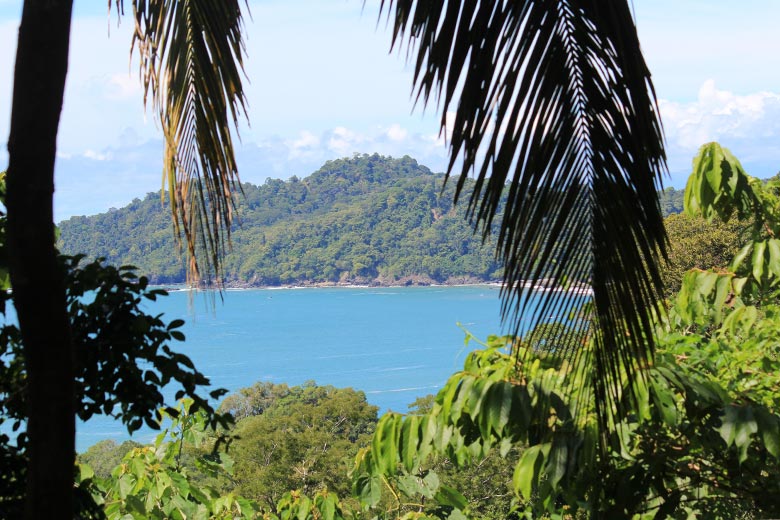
(241, 286)
(541, 286)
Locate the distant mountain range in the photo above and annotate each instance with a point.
(364, 220)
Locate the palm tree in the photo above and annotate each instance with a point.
(191, 53)
(553, 102)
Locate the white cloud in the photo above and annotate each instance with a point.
(748, 124)
(95, 156)
(344, 141)
(306, 140)
(123, 86)
(306, 145)
(92, 181)
(396, 133)
(718, 114)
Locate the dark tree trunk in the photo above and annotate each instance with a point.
(39, 296)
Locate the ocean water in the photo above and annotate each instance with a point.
(395, 344)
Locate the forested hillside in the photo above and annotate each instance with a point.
(367, 219)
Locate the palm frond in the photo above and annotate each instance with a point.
(191, 66)
(554, 108)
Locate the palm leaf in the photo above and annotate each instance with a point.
(191, 61)
(554, 108)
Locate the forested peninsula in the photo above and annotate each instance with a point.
(367, 219)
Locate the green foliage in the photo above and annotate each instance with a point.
(187, 471)
(104, 456)
(115, 336)
(303, 441)
(323, 506)
(364, 219)
(254, 400)
(671, 201)
(122, 360)
(720, 187)
(701, 436)
(486, 485)
(150, 482)
(478, 409)
(696, 243)
(703, 440)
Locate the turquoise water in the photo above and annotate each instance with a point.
(395, 344)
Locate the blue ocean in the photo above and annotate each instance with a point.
(395, 344)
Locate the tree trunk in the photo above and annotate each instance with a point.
(38, 291)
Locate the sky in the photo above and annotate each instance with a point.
(322, 84)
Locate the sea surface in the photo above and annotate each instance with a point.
(395, 344)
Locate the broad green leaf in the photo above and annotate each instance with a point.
(758, 260)
(181, 483)
(327, 507)
(769, 426)
(135, 505)
(85, 472)
(528, 469)
(556, 465)
(718, 185)
(476, 397)
(521, 409)
(431, 484)
(737, 427)
(385, 443)
(447, 394)
(368, 490)
(409, 442)
(428, 430)
(304, 507)
(728, 429)
(496, 408)
(448, 496)
(409, 485)
(664, 400)
(126, 483)
(773, 260)
(739, 285)
(722, 293)
(460, 399)
(743, 253)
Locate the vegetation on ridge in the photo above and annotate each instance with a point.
(365, 219)
(359, 220)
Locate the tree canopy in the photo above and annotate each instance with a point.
(366, 219)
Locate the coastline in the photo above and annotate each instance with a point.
(544, 285)
(234, 285)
